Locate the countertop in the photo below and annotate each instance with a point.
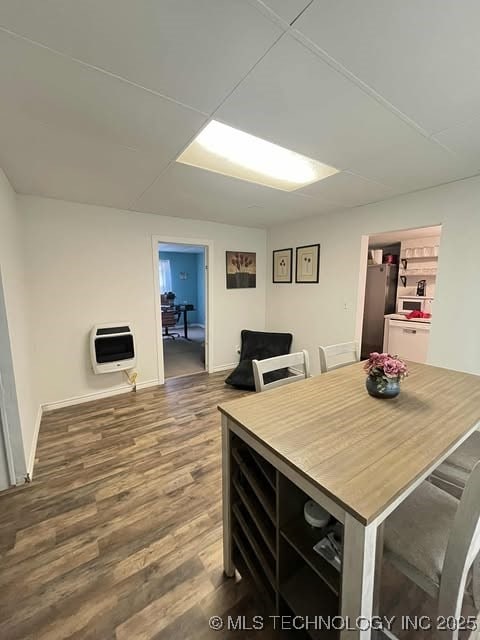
(399, 316)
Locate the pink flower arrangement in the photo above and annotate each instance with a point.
(383, 365)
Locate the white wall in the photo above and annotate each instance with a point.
(326, 313)
(15, 361)
(89, 264)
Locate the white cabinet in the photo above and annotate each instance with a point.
(407, 339)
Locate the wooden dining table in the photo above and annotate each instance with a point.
(357, 456)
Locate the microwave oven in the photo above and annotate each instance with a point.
(407, 304)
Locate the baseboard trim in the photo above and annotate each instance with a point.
(225, 367)
(97, 395)
(31, 462)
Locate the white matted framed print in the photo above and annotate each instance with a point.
(308, 264)
(282, 265)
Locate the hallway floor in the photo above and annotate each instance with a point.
(183, 357)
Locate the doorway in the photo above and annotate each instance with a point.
(183, 305)
(399, 292)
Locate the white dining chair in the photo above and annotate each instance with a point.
(338, 355)
(433, 538)
(298, 366)
(452, 475)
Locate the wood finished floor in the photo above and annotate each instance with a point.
(119, 535)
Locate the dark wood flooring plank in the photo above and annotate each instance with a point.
(119, 535)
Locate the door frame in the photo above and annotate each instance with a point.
(362, 283)
(5, 438)
(9, 413)
(208, 247)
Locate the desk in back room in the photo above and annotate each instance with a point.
(185, 308)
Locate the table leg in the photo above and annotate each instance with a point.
(228, 567)
(358, 576)
(378, 570)
(185, 326)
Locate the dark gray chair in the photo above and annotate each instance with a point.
(259, 345)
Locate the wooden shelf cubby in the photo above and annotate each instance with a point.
(302, 538)
(273, 543)
(307, 596)
(249, 471)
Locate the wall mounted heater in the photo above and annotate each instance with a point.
(112, 347)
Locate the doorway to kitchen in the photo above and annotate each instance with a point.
(183, 307)
(400, 286)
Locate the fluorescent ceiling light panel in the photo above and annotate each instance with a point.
(234, 153)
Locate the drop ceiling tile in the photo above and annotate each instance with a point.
(349, 190)
(293, 98)
(287, 9)
(296, 100)
(56, 163)
(421, 56)
(189, 192)
(195, 52)
(463, 139)
(59, 91)
(410, 167)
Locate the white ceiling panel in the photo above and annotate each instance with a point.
(188, 192)
(464, 140)
(349, 190)
(53, 162)
(423, 56)
(59, 91)
(195, 52)
(82, 117)
(412, 166)
(294, 99)
(288, 10)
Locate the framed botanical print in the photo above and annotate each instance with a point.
(308, 264)
(282, 265)
(241, 270)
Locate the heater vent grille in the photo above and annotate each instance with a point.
(112, 347)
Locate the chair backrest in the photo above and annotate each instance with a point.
(298, 366)
(338, 355)
(169, 318)
(463, 547)
(167, 299)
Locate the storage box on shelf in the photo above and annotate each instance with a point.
(273, 543)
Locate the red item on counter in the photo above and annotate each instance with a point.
(418, 314)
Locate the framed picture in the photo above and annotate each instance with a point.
(282, 265)
(308, 263)
(241, 270)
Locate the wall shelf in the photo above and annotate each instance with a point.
(420, 258)
(405, 272)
